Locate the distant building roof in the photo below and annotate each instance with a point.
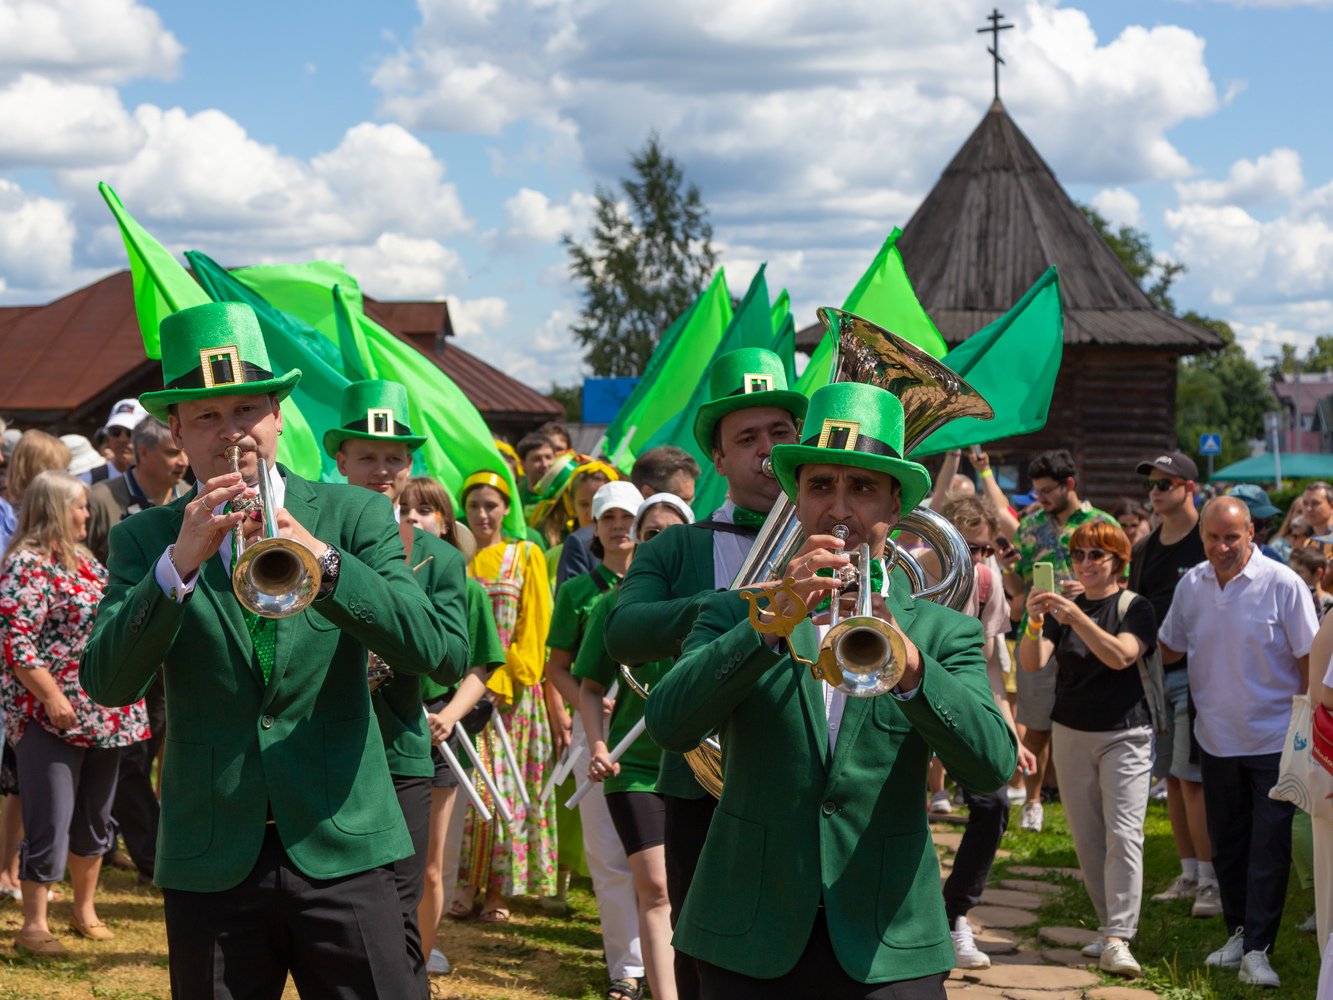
(993, 223)
(69, 357)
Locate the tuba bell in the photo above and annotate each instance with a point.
(273, 577)
(932, 395)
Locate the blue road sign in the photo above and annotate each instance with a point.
(1210, 444)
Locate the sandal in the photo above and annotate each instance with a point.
(495, 915)
(39, 944)
(625, 989)
(462, 906)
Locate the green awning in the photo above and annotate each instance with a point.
(1259, 468)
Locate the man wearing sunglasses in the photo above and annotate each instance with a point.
(119, 431)
(1043, 536)
(1156, 567)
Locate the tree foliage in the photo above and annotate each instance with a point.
(649, 255)
(1319, 358)
(1154, 274)
(1221, 392)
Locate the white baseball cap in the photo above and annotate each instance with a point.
(126, 413)
(671, 500)
(619, 495)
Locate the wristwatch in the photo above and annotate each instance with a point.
(329, 565)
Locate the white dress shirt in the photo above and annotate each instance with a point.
(1243, 642)
(729, 548)
(165, 571)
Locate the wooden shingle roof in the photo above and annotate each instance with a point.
(993, 223)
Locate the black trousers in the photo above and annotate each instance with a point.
(1251, 836)
(136, 808)
(409, 873)
(341, 939)
(987, 819)
(818, 976)
(687, 823)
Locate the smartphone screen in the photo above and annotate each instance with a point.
(1043, 577)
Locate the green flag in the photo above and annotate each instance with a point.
(458, 442)
(161, 285)
(1013, 363)
(676, 367)
(751, 326)
(784, 335)
(884, 296)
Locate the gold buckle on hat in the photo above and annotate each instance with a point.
(380, 422)
(840, 435)
(221, 366)
(758, 382)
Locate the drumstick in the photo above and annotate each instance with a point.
(512, 760)
(616, 753)
(486, 778)
(464, 782)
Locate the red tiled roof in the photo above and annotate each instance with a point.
(72, 354)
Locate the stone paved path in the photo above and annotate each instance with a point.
(1028, 962)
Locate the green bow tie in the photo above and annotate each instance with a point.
(876, 582)
(744, 518)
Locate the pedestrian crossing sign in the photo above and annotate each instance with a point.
(1210, 444)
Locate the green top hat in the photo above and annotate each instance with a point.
(373, 410)
(850, 423)
(751, 376)
(215, 349)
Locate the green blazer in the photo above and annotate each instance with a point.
(304, 746)
(398, 702)
(797, 826)
(659, 599)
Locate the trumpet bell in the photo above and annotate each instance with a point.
(862, 657)
(276, 577)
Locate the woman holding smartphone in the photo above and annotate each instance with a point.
(1101, 728)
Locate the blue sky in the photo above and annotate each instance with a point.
(441, 148)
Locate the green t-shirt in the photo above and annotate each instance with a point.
(640, 763)
(573, 602)
(483, 640)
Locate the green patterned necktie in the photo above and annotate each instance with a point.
(262, 630)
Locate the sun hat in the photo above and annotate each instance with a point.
(671, 500)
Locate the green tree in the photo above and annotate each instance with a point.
(1154, 274)
(571, 398)
(1221, 392)
(649, 255)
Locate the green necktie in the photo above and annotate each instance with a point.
(743, 518)
(876, 581)
(261, 629)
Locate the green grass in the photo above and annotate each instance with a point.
(1171, 945)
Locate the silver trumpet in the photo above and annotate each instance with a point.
(273, 577)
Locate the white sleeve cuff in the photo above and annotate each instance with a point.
(905, 695)
(169, 580)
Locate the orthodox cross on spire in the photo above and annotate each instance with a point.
(994, 30)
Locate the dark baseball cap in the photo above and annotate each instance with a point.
(1173, 463)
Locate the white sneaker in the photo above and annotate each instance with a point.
(1181, 887)
(1095, 947)
(939, 803)
(966, 953)
(1117, 959)
(437, 964)
(1229, 955)
(1255, 970)
(1017, 793)
(1208, 903)
(1032, 817)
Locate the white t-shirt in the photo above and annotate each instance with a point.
(1243, 643)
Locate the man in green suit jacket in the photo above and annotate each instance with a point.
(819, 878)
(373, 448)
(751, 411)
(278, 814)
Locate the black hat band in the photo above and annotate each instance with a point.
(221, 374)
(846, 438)
(362, 426)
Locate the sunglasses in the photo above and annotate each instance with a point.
(985, 551)
(116, 432)
(1163, 485)
(649, 533)
(1088, 555)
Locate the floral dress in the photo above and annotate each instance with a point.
(46, 618)
(523, 859)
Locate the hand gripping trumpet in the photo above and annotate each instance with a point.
(273, 577)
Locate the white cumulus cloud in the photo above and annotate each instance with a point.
(55, 123)
(103, 41)
(1274, 177)
(1118, 207)
(36, 240)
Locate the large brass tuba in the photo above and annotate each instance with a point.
(932, 395)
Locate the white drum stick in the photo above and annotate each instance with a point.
(616, 753)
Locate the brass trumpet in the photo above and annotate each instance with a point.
(273, 577)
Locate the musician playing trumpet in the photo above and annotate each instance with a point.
(818, 877)
(278, 814)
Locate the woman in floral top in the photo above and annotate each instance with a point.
(50, 586)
